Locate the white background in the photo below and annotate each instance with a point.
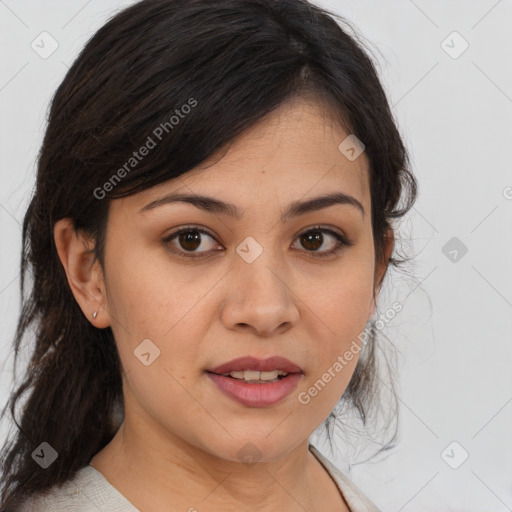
(454, 333)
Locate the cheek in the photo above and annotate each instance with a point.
(158, 391)
(157, 313)
(151, 297)
(339, 311)
(341, 301)
(167, 305)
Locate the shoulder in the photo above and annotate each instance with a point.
(87, 491)
(355, 498)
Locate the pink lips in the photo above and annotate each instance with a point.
(256, 394)
(262, 365)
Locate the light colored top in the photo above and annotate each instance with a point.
(90, 491)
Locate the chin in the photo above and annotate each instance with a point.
(248, 449)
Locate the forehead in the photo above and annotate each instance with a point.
(300, 137)
(291, 153)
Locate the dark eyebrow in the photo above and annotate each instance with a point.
(295, 209)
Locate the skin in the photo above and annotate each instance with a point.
(177, 447)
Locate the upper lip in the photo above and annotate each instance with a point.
(261, 365)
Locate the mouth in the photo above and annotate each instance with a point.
(255, 377)
(254, 382)
(252, 364)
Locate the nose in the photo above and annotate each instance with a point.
(259, 297)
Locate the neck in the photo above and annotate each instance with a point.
(191, 478)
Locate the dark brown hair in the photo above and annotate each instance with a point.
(238, 60)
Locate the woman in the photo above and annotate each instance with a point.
(209, 231)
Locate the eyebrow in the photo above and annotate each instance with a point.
(210, 204)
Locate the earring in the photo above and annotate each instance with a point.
(95, 314)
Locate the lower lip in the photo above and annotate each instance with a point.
(256, 395)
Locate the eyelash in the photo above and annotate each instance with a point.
(342, 242)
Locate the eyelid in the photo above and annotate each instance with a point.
(321, 227)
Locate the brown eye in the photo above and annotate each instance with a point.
(313, 239)
(186, 242)
(189, 240)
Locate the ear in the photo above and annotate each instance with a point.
(382, 266)
(85, 278)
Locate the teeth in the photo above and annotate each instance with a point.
(250, 375)
(255, 376)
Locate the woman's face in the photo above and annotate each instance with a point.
(254, 285)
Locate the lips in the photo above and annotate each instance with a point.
(252, 363)
(243, 381)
